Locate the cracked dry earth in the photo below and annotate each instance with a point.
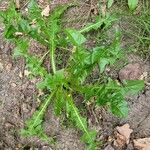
(18, 100)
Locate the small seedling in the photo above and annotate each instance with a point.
(62, 83)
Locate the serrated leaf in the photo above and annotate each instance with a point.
(21, 49)
(118, 106)
(23, 26)
(132, 4)
(9, 32)
(80, 122)
(52, 81)
(34, 65)
(59, 102)
(75, 37)
(34, 124)
(132, 86)
(33, 9)
(97, 54)
(41, 84)
(86, 138)
(58, 11)
(102, 64)
(110, 3)
(107, 21)
(93, 26)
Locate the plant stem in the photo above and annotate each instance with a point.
(43, 108)
(53, 56)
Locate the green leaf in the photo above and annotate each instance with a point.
(75, 37)
(34, 124)
(9, 32)
(93, 26)
(34, 10)
(23, 26)
(21, 49)
(110, 3)
(102, 64)
(58, 11)
(113, 85)
(118, 106)
(80, 65)
(132, 86)
(59, 102)
(41, 84)
(88, 136)
(97, 54)
(52, 81)
(34, 65)
(132, 4)
(107, 21)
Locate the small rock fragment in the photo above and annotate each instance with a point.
(125, 131)
(130, 72)
(122, 136)
(20, 74)
(142, 144)
(46, 11)
(26, 73)
(144, 75)
(13, 85)
(8, 67)
(18, 33)
(120, 141)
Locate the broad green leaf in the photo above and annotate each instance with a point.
(132, 4)
(97, 54)
(75, 37)
(80, 65)
(118, 106)
(132, 86)
(110, 3)
(102, 64)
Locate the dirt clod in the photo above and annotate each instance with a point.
(125, 131)
(130, 72)
(142, 144)
(122, 136)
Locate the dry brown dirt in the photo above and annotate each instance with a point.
(18, 100)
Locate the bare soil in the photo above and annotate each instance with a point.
(18, 100)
